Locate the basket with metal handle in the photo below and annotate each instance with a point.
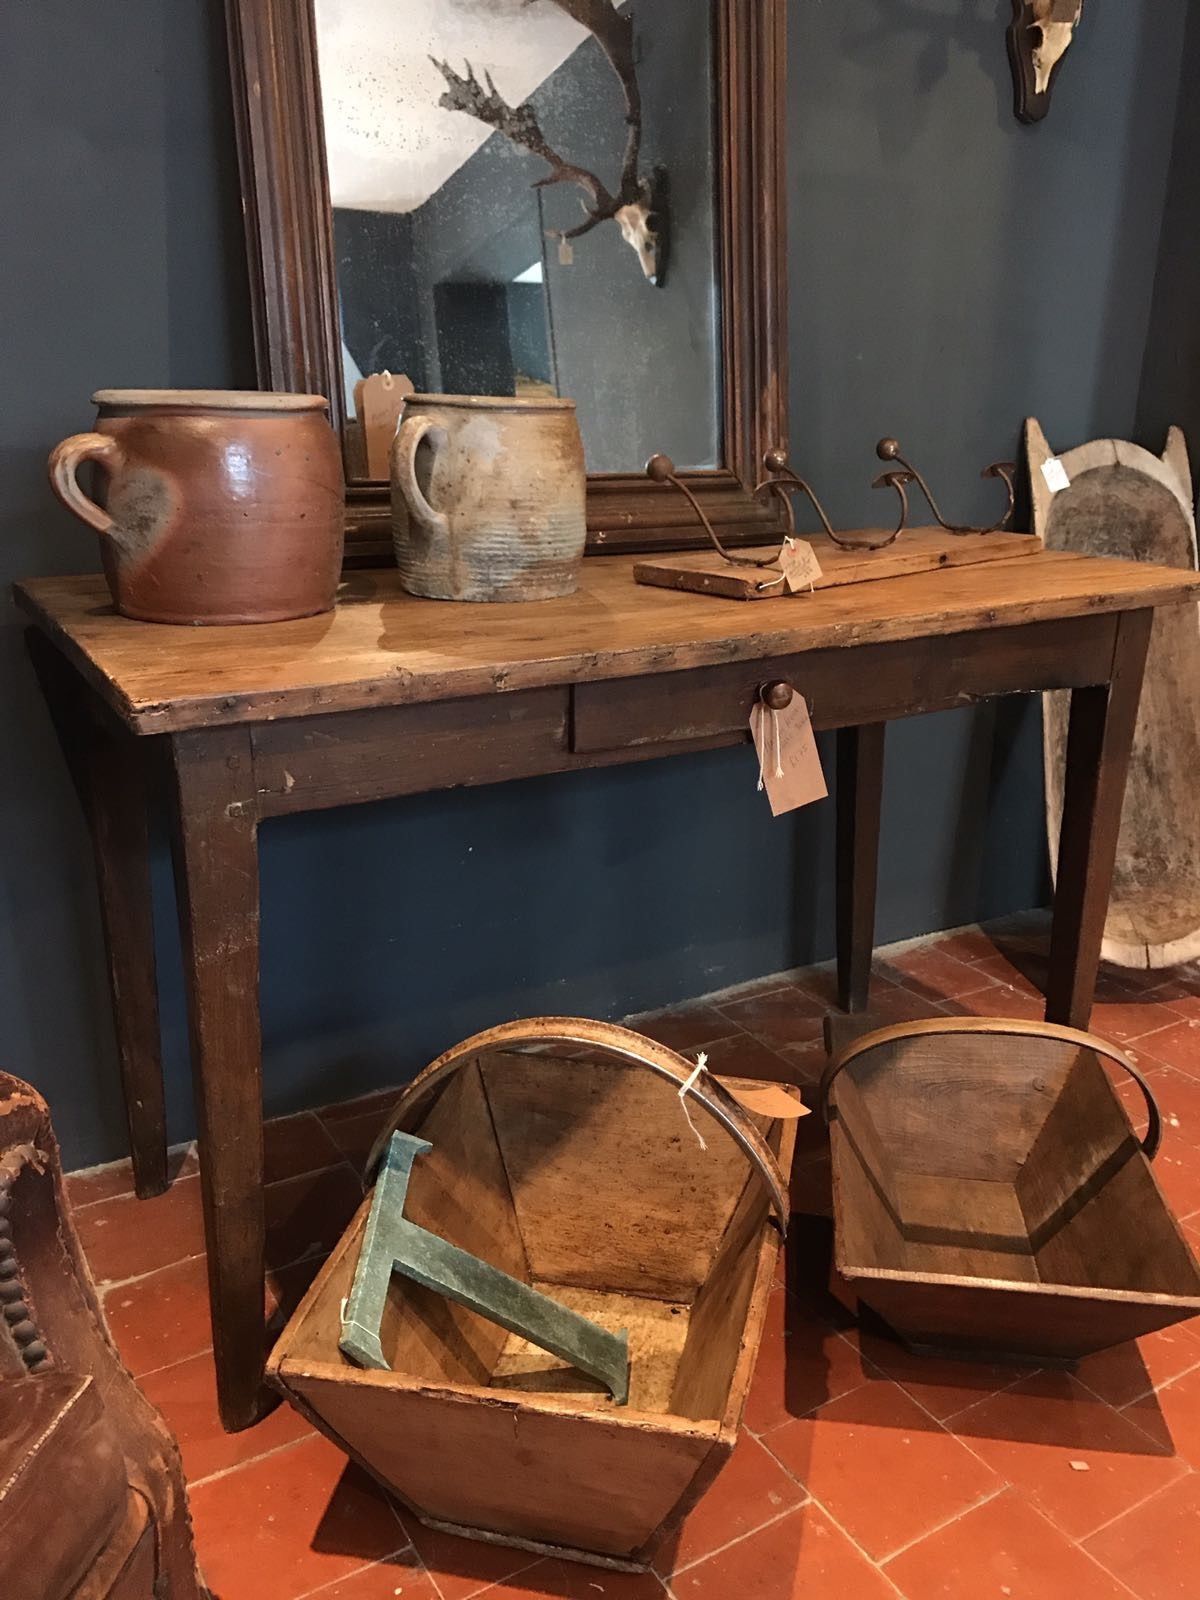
(581, 1164)
(991, 1195)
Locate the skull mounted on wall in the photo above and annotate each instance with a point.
(1041, 33)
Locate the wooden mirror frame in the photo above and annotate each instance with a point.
(293, 278)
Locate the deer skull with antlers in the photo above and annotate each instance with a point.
(636, 205)
(1041, 33)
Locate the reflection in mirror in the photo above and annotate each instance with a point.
(524, 203)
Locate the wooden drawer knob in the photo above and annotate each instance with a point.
(777, 696)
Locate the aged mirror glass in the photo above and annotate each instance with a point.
(524, 201)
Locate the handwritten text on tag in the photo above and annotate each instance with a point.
(787, 756)
(800, 565)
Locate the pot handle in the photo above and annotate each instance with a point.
(1008, 1027)
(412, 431)
(65, 461)
(638, 1051)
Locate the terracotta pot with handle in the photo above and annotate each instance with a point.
(220, 506)
(490, 497)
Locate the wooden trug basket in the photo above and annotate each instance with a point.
(991, 1196)
(561, 1156)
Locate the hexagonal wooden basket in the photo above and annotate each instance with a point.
(991, 1196)
(561, 1156)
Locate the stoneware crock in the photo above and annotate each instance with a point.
(489, 495)
(220, 506)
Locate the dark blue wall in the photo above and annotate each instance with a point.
(950, 271)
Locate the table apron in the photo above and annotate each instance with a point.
(848, 687)
(350, 757)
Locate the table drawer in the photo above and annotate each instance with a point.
(845, 687)
(345, 758)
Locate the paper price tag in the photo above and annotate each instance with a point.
(379, 400)
(800, 566)
(1055, 475)
(788, 759)
(566, 252)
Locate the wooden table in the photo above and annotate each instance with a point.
(391, 696)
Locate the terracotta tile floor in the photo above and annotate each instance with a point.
(863, 1471)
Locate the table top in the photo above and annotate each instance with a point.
(383, 647)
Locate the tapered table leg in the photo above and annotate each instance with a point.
(216, 860)
(108, 768)
(1099, 742)
(859, 802)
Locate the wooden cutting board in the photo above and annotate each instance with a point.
(916, 550)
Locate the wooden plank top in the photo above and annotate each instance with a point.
(383, 647)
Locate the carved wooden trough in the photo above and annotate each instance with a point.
(1119, 500)
(562, 1154)
(991, 1197)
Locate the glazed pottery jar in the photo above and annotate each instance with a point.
(220, 506)
(489, 496)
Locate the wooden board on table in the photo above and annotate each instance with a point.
(916, 550)
(1123, 501)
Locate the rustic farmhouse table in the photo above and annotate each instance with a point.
(390, 696)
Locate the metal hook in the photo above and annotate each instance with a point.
(661, 469)
(889, 450)
(789, 482)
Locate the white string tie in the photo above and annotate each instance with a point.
(761, 743)
(685, 1089)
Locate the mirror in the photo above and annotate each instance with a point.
(523, 202)
(582, 197)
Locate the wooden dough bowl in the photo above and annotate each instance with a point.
(991, 1198)
(562, 1157)
(1125, 502)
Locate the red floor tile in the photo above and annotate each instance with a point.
(296, 1145)
(290, 1523)
(307, 1216)
(1128, 1020)
(941, 1387)
(882, 1468)
(1155, 1548)
(105, 1183)
(1177, 1173)
(1171, 1416)
(162, 1318)
(1130, 1371)
(802, 1363)
(1002, 1001)
(186, 1394)
(803, 1556)
(462, 1568)
(968, 944)
(1078, 1460)
(785, 1016)
(572, 1580)
(751, 1490)
(402, 1576)
(811, 1186)
(931, 972)
(1178, 1096)
(1176, 1046)
(686, 1030)
(126, 1238)
(744, 1056)
(1000, 1549)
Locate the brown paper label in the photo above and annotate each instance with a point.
(800, 565)
(767, 1100)
(789, 763)
(379, 401)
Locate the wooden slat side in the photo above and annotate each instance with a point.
(551, 1478)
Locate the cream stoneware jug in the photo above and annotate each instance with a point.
(489, 495)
